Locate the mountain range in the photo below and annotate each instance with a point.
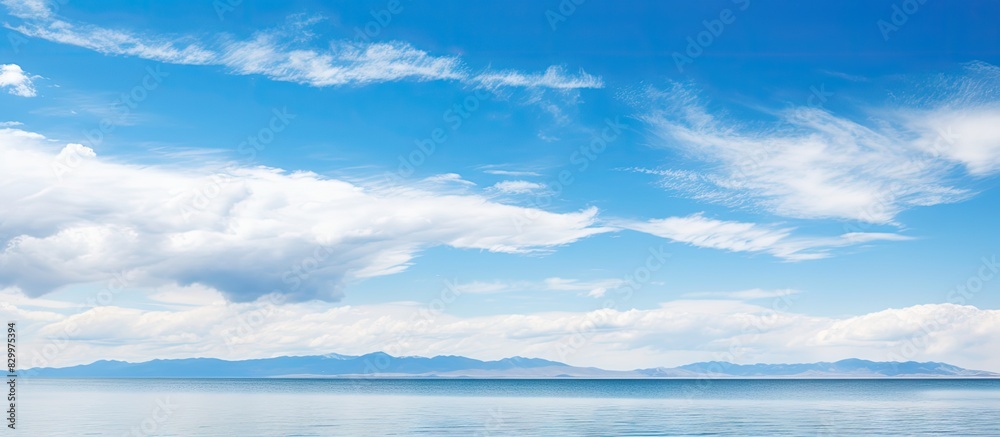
(382, 365)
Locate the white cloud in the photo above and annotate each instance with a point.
(752, 294)
(969, 137)
(594, 288)
(554, 77)
(14, 297)
(448, 178)
(192, 295)
(80, 219)
(517, 187)
(16, 81)
(31, 9)
(513, 173)
(280, 54)
(343, 64)
(674, 333)
(74, 151)
(810, 163)
(115, 42)
(698, 230)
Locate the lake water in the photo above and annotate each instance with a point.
(301, 407)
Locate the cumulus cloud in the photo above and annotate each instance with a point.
(80, 218)
(810, 163)
(281, 54)
(698, 230)
(16, 81)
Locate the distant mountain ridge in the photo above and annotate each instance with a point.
(380, 364)
(852, 367)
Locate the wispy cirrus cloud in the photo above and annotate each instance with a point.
(594, 287)
(514, 173)
(29, 9)
(446, 178)
(700, 231)
(16, 80)
(276, 55)
(810, 163)
(283, 54)
(40, 21)
(751, 294)
(554, 77)
(517, 187)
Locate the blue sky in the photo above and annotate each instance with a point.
(602, 183)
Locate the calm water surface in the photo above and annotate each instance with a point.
(298, 407)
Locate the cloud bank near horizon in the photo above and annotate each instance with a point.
(745, 327)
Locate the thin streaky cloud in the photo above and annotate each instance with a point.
(594, 287)
(517, 187)
(512, 173)
(280, 55)
(700, 231)
(554, 77)
(28, 9)
(752, 294)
